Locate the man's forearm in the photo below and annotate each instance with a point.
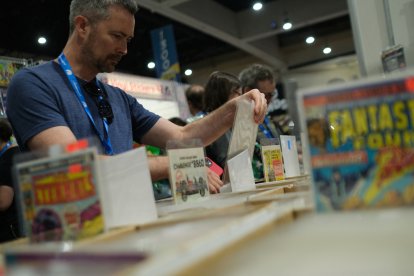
(158, 166)
(215, 124)
(6, 197)
(219, 121)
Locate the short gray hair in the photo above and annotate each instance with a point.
(250, 76)
(97, 10)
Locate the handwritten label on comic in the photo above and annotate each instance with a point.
(188, 174)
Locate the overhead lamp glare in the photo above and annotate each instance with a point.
(188, 72)
(151, 65)
(287, 25)
(41, 40)
(310, 39)
(327, 50)
(257, 6)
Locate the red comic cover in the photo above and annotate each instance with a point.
(361, 142)
(59, 197)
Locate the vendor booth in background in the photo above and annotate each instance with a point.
(8, 67)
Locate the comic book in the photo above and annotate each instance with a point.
(188, 174)
(243, 135)
(9, 67)
(272, 163)
(59, 197)
(361, 143)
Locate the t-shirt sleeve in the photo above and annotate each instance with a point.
(32, 106)
(142, 119)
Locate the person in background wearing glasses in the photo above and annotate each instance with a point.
(62, 101)
(8, 210)
(262, 77)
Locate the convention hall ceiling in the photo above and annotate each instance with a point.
(203, 29)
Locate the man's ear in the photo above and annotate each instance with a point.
(81, 24)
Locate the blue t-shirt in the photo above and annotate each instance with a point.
(42, 97)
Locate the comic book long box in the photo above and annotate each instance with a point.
(361, 143)
(59, 197)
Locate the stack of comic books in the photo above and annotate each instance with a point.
(361, 142)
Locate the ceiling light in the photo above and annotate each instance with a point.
(327, 50)
(41, 40)
(287, 25)
(257, 6)
(188, 72)
(151, 65)
(310, 39)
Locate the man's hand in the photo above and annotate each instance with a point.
(260, 104)
(214, 182)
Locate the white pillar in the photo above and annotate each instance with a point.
(370, 34)
(402, 17)
(370, 28)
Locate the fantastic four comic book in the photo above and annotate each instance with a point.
(361, 142)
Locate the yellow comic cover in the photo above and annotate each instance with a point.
(272, 163)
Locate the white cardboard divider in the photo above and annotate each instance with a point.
(127, 195)
(290, 155)
(241, 173)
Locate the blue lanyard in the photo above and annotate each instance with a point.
(266, 131)
(3, 150)
(106, 142)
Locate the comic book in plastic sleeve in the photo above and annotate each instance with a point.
(188, 172)
(272, 163)
(361, 143)
(59, 197)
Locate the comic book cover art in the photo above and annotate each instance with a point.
(361, 143)
(9, 67)
(188, 174)
(272, 163)
(59, 197)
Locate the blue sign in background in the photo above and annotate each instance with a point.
(165, 54)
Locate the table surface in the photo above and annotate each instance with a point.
(370, 242)
(366, 242)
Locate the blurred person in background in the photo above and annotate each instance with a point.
(194, 95)
(262, 77)
(220, 88)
